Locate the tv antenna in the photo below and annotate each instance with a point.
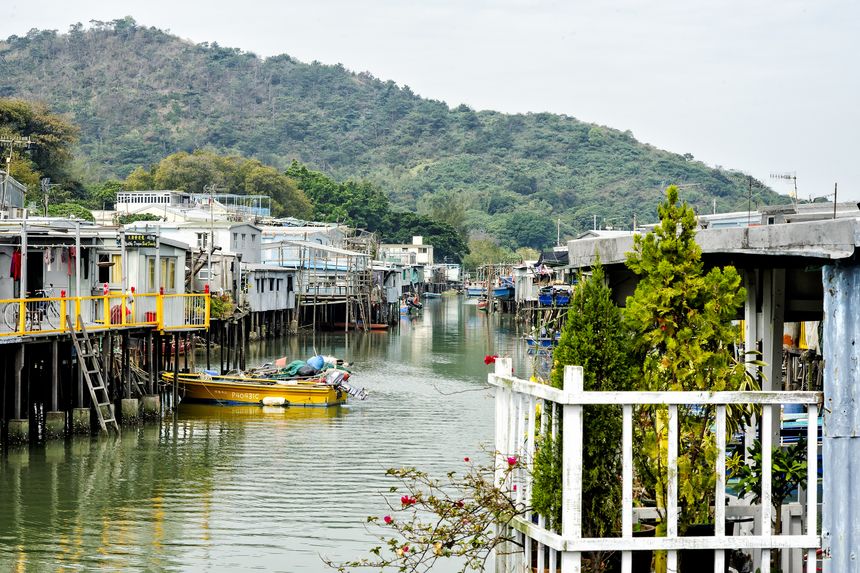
(788, 176)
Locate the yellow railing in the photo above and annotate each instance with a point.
(33, 316)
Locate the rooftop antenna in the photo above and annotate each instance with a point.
(788, 176)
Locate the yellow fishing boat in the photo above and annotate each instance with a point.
(197, 387)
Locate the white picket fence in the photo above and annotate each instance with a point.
(543, 550)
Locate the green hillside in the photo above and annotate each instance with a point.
(139, 94)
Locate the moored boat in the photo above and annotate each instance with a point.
(432, 295)
(476, 291)
(543, 341)
(240, 389)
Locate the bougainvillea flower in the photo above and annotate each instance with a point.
(466, 459)
(407, 500)
(512, 460)
(515, 487)
(387, 519)
(490, 358)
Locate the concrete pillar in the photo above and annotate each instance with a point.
(19, 432)
(81, 421)
(55, 425)
(773, 317)
(840, 525)
(151, 407)
(130, 411)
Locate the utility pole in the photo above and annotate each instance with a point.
(211, 243)
(12, 142)
(835, 188)
(46, 185)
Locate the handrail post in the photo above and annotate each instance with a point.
(208, 304)
(159, 308)
(504, 367)
(22, 316)
(571, 470)
(63, 311)
(77, 313)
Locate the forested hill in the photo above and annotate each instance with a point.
(140, 93)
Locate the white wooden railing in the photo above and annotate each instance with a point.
(517, 405)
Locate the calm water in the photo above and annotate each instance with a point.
(265, 489)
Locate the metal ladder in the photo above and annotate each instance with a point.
(89, 365)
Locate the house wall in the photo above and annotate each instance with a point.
(269, 290)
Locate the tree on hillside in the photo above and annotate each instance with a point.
(52, 135)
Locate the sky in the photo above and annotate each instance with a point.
(762, 86)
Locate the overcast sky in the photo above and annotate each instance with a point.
(762, 86)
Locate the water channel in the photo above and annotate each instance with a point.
(228, 488)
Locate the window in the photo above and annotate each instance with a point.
(243, 239)
(235, 240)
(271, 284)
(168, 274)
(253, 238)
(116, 269)
(202, 240)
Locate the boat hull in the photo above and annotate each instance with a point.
(231, 390)
(503, 293)
(476, 291)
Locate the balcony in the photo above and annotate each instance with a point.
(33, 317)
(524, 408)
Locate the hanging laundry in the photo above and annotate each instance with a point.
(72, 254)
(46, 258)
(15, 269)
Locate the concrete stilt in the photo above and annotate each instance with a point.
(55, 425)
(130, 411)
(19, 431)
(81, 421)
(151, 407)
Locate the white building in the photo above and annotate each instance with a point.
(414, 253)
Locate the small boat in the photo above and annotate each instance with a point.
(483, 304)
(505, 290)
(432, 295)
(241, 389)
(476, 291)
(543, 341)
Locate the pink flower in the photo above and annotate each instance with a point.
(405, 548)
(408, 500)
(512, 461)
(466, 459)
(460, 503)
(515, 487)
(490, 358)
(388, 520)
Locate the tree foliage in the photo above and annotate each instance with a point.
(70, 211)
(195, 172)
(362, 204)
(595, 337)
(682, 318)
(52, 138)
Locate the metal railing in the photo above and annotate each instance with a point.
(37, 316)
(523, 408)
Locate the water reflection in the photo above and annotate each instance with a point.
(240, 488)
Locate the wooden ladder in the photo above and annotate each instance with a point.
(89, 365)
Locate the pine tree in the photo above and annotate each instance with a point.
(682, 317)
(596, 338)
